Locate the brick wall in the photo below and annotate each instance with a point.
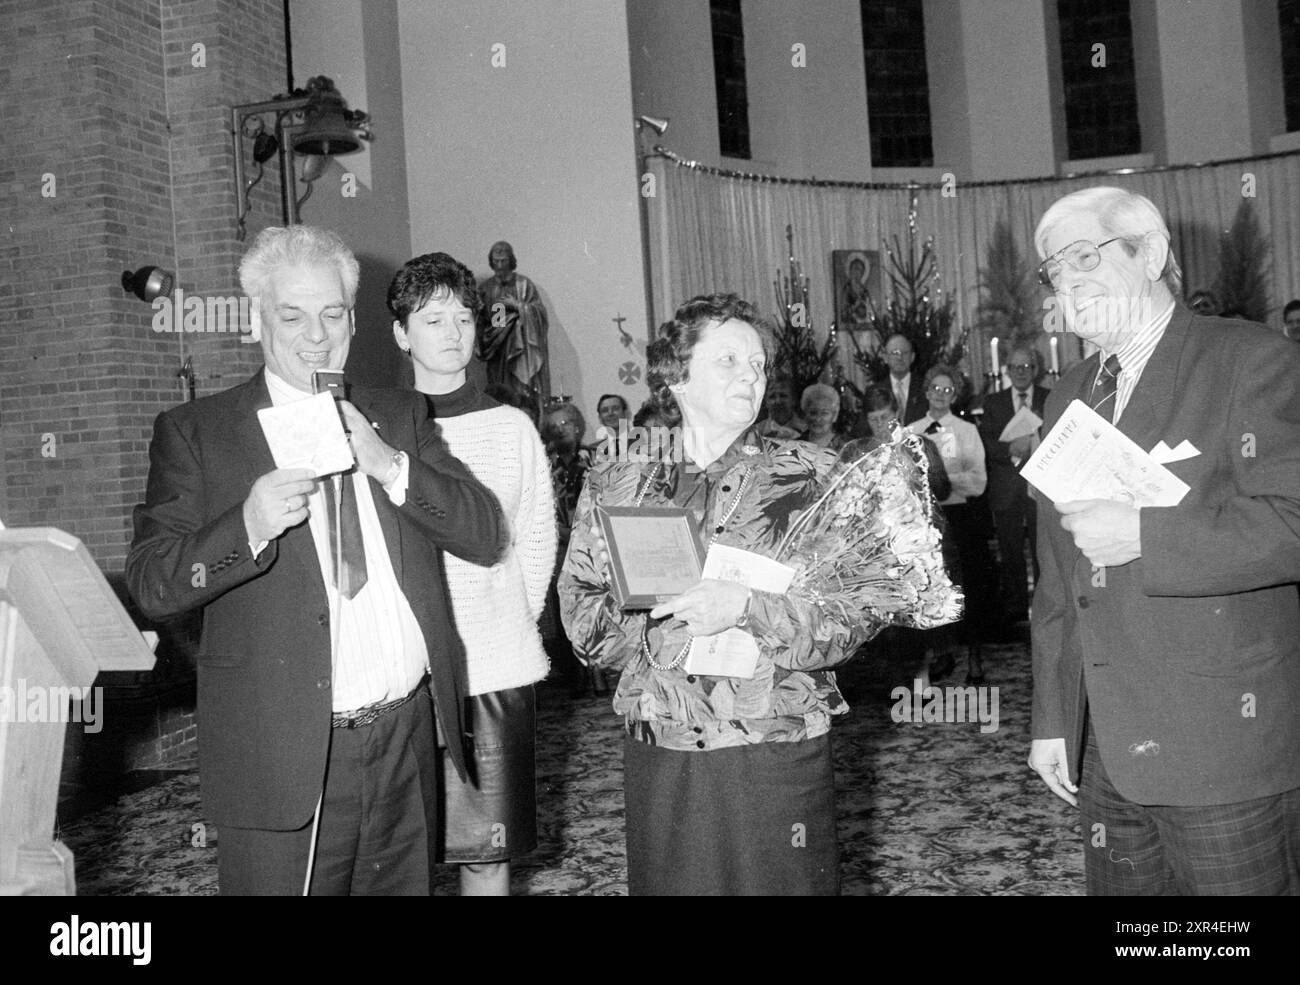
(115, 152)
(106, 109)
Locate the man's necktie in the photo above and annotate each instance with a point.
(1022, 399)
(934, 426)
(349, 573)
(1102, 398)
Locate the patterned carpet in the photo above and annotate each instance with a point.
(932, 809)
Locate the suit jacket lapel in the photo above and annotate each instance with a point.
(1147, 414)
(257, 458)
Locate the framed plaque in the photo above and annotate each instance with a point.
(655, 553)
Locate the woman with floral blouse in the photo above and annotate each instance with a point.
(728, 781)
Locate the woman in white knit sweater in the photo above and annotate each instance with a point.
(492, 817)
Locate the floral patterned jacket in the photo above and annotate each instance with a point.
(792, 694)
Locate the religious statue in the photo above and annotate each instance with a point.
(512, 337)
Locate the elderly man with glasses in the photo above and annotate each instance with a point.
(1166, 640)
(1014, 510)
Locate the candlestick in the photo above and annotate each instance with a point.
(993, 356)
(1056, 364)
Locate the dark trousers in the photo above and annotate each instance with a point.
(378, 819)
(1011, 525)
(1247, 849)
(968, 530)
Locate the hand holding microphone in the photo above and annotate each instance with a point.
(373, 456)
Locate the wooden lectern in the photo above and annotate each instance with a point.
(60, 625)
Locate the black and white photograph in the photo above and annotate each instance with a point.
(961, 338)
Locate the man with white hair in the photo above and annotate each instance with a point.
(1166, 641)
(326, 623)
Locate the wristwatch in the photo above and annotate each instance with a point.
(743, 621)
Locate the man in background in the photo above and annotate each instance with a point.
(906, 386)
(1014, 513)
(610, 409)
(1291, 320)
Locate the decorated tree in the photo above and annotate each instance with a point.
(917, 308)
(799, 357)
(1009, 308)
(1242, 285)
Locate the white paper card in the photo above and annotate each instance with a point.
(1084, 456)
(1025, 422)
(734, 652)
(307, 434)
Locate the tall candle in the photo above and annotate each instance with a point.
(993, 356)
(1056, 365)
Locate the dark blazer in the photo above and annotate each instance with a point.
(264, 656)
(1005, 482)
(917, 404)
(1188, 658)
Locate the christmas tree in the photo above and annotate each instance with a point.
(1242, 285)
(798, 356)
(917, 308)
(1009, 299)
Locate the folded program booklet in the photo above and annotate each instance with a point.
(1084, 456)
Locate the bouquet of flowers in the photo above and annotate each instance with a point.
(867, 550)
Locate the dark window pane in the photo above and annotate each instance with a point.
(898, 89)
(1101, 118)
(1288, 16)
(729, 78)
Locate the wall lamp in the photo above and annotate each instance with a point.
(148, 283)
(314, 122)
(656, 123)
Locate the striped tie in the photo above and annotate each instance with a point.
(1103, 388)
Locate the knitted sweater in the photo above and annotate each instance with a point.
(496, 609)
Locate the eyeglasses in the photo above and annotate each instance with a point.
(898, 352)
(1020, 365)
(1081, 255)
(942, 389)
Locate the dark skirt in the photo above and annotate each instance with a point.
(493, 816)
(743, 821)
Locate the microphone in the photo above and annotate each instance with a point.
(331, 380)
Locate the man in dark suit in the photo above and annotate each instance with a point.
(326, 620)
(908, 392)
(1008, 493)
(1167, 640)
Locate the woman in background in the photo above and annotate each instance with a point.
(821, 406)
(959, 443)
(491, 817)
(563, 427)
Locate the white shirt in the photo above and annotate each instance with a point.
(380, 653)
(1133, 357)
(962, 452)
